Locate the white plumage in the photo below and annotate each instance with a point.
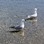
(22, 23)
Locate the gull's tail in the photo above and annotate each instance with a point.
(12, 27)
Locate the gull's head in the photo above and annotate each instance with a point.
(28, 16)
(23, 20)
(35, 9)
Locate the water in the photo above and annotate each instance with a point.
(11, 13)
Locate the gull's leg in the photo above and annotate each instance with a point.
(22, 33)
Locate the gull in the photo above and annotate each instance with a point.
(18, 27)
(32, 17)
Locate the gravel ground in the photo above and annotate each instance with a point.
(33, 34)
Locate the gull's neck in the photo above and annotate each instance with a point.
(22, 24)
(35, 13)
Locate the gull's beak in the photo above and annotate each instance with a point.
(25, 19)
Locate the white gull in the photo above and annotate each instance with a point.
(31, 17)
